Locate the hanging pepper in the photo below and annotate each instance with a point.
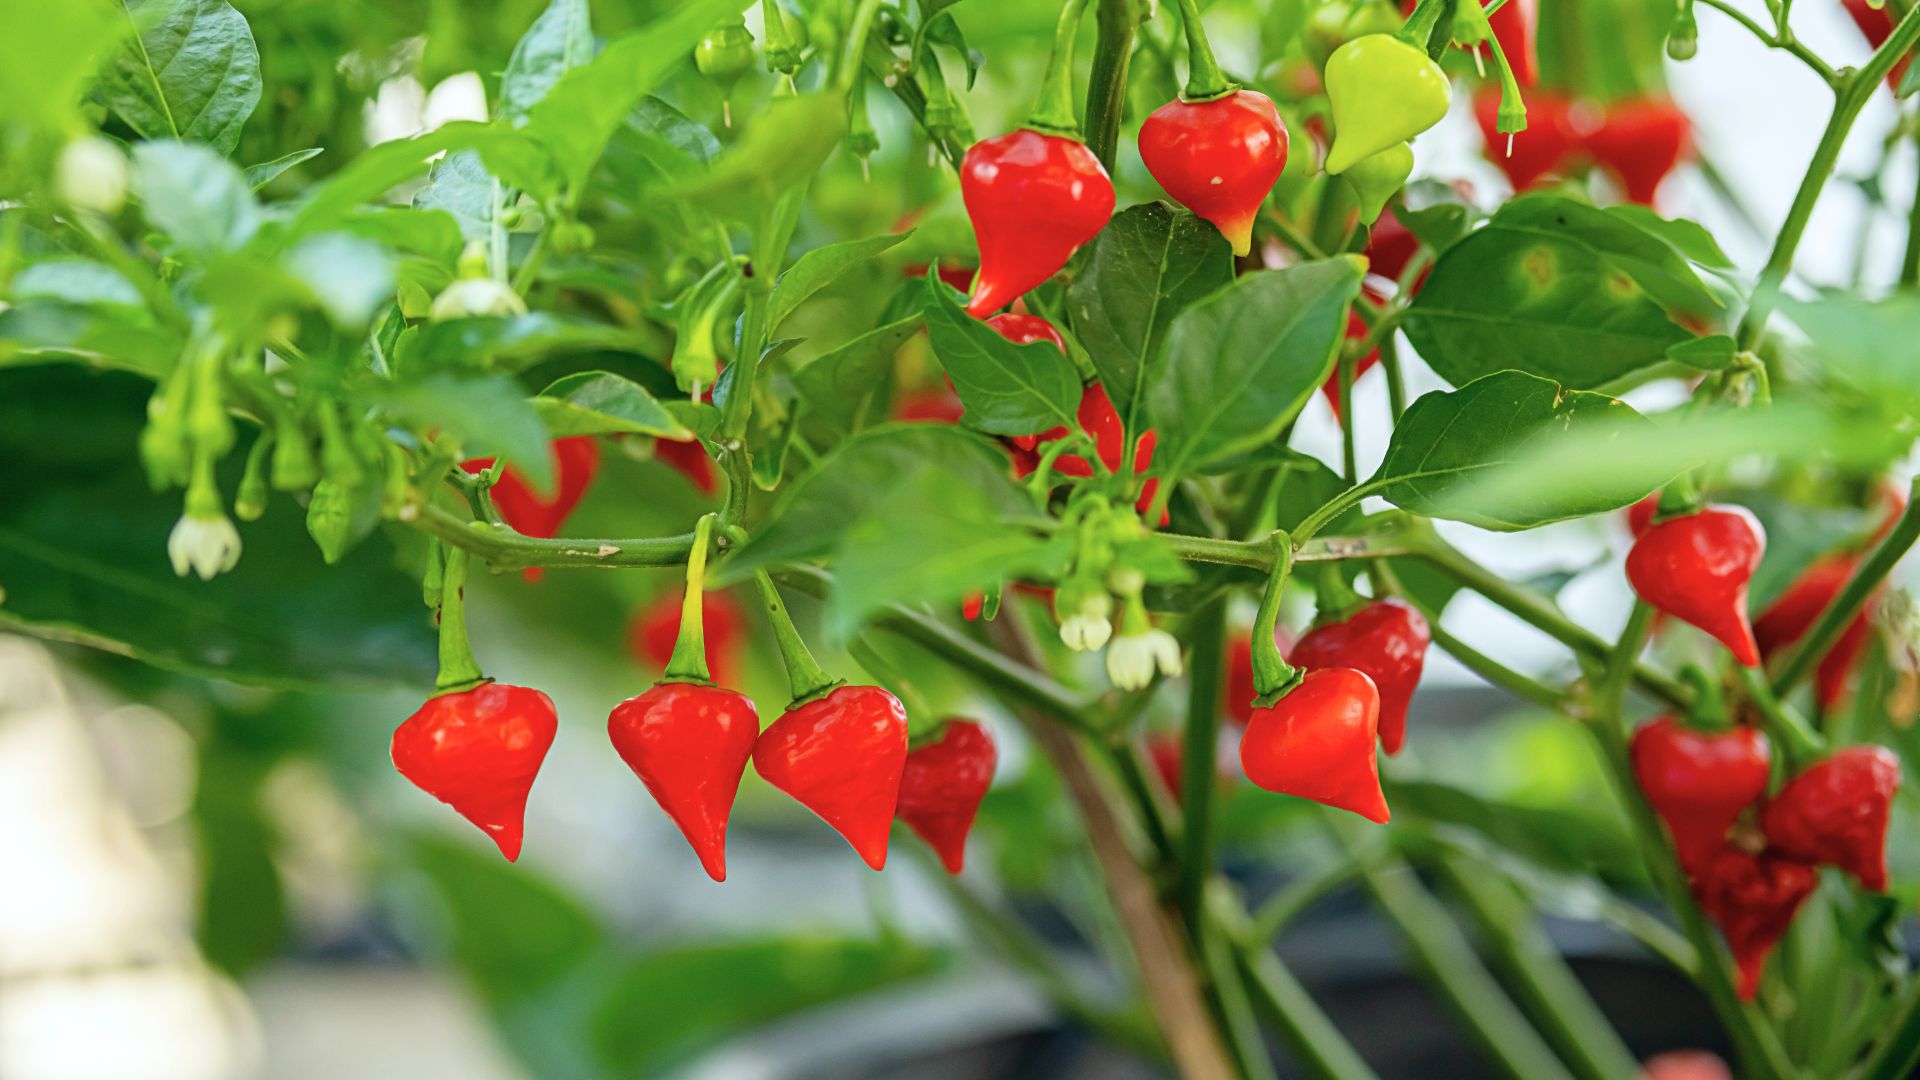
(687, 739)
(1385, 640)
(1035, 194)
(1377, 178)
(1789, 618)
(1699, 782)
(1641, 141)
(1836, 813)
(1753, 899)
(942, 786)
(576, 461)
(476, 745)
(724, 55)
(838, 750)
(1696, 568)
(1317, 742)
(1384, 89)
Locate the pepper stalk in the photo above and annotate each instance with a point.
(1273, 677)
(458, 669)
(1205, 82)
(688, 664)
(1053, 112)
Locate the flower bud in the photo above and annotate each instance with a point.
(92, 174)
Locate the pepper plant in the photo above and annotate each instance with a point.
(1004, 374)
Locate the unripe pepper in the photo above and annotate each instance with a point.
(1384, 91)
(1789, 618)
(1836, 813)
(1317, 742)
(478, 750)
(841, 757)
(1641, 141)
(1753, 899)
(576, 461)
(1034, 199)
(1387, 642)
(1699, 782)
(1219, 158)
(1696, 568)
(1376, 178)
(942, 786)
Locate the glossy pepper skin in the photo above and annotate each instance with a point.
(1317, 743)
(1789, 618)
(689, 743)
(1641, 141)
(1384, 91)
(1696, 568)
(576, 461)
(1387, 642)
(1218, 158)
(478, 751)
(942, 786)
(656, 627)
(1376, 178)
(841, 757)
(1034, 199)
(1836, 813)
(1699, 782)
(1753, 899)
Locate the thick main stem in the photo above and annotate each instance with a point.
(1207, 635)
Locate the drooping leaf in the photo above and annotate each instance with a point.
(1147, 266)
(192, 72)
(1008, 389)
(560, 40)
(76, 281)
(461, 186)
(818, 268)
(107, 336)
(1688, 238)
(194, 195)
(602, 403)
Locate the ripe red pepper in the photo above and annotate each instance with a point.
(655, 628)
(1685, 1065)
(1699, 782)
(478, 751)
(1218, 158)
(690, 460)
(1317, 742)
(1549, 144)
(1034, 199)
(1788, 619)
(1696, 568)
(1836, 813)
(942, 786)
(576, 460)
(932, 405)
(1640, 141)
(1753, 899)
(841, 757)
(689, 743)
(1387, 642)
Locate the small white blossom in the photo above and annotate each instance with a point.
(92, 174)
(1086, 633)
(1133, 659)
(476, 296)
(209, 546)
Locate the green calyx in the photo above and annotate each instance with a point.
(688, 664)
(1378, 177)
(1205, 82)
(1384, 91)
(1708, 711)
(786, 39)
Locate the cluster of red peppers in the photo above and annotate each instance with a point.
(1640, 141)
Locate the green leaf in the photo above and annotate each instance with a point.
(104, 335)
(1711, 353)
(512, 932)
(461, 186)
(582, 110)
(780, 146)
(841, 387)
(77, 281)
(83, 557)
(513, 155)
(192, 73)
(1239, 365)
(242, 920)
(1556, 289)
(1147, 266)
(560, 40)
(602, 403)
(1008, 389)
(1435, 213)
(818, 268)
(1689, 238)
(259, 176)
(488, 416)
(1866, 343)
(1909, 82)
(350, 276)
(1446, 440)
(194, 195)
(510, 343)
(46, 55)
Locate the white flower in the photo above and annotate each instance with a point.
(1086, 633)
(1133, 659)
(476, 296)
(456, 97)
(401, 108)
(1085, 612)
(208, 546)
(91, 174)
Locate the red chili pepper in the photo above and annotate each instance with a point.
(1685, 1065)
(1836, 813)
(1696, 568)
(1387, 642)
(689, 743)
(1876, 25)
(655, 628)
(1218, 158)
(1550, 142)
(576, 460)
(478, 751)
(1317, 742)
(1788, 619)
(1034, 199)
(942, 786)
(932, 405)
(1640, 141)
(841, 756)
(690, 460)
(1699, 782)
(1753, 899)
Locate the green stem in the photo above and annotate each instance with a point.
(1493, 671)
(1791, 45)
(805, 680)
(1854, 91)
(1053, 113)
(1117, 22)
(1899, 1053)
(1272, 675)
(847, 64)
(1295, 1016)
(1800, 743)
(1293, 898)
(1133, 776)
(881, 64)
(1853, 595)
(1230, 996)
(1260, 554)
(1619, 669)
(1349, 454)
(1204, 79)
(1334, 507)
(458, 669)
(1910, 259)
(1418, 29)
(1206, 634)
(1389, 347)
(504, 549)
(689, 660)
